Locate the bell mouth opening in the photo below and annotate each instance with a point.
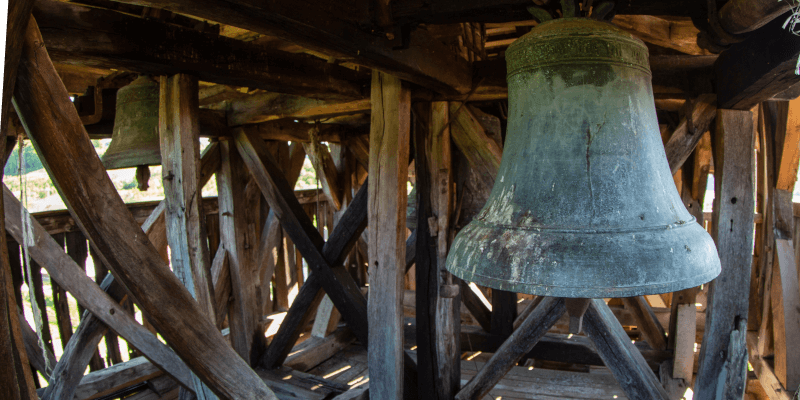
(584, 264)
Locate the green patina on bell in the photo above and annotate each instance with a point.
(584, 204)
(134, 141)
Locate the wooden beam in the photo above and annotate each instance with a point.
(788, 128)
(342, 240)
(388, 169)
(476, 307)
(758, 68)
(14, 373)
(179, 135)
(115, 378)
(263, 107)
(785, 293)
(238, 236)
(107, 39)
(766, 376)
(41, 359)
(325, 169)
(685, 137)
(331, 28)
(620, 356)
(64, 270)
(514, 348)
(184, 219)
(646, 321)
(80, 349)
(316, 350)
(677, 34)
(438, 319)
(58, 135)
(338, 283)
(733, 233)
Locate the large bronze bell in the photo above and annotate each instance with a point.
(584, 204)
(134, 141)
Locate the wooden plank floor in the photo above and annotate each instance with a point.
(349, 367)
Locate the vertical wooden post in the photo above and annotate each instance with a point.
(504, 312)
(185, 221)
(388, 171)
(785, 293)
(238, 235)
(733, 233)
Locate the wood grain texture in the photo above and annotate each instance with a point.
(19, 12)
(388, 171)
(342, 240)
(80, 349)
(338, 283)
(785, 298)
(733, 233)
(63, 270)
(332, 28)
(619, 354)
(180, 160)
(179, 136)
(238, 235)
(100, 38)
(646, 321)
(55, 128)
(789, 153)
(514, 348)
(685, 137)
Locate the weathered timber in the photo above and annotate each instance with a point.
(106, 39)
(470, 137)
(450, 11)
(785, 294)
(388, 169)
(238, 236)
(316, 350)
(763, 370)
(180, 155)
(183, 214)
(63, 270)
(685, 335)
(690, 130)
(757, 69)
(290, 131)
(221, 279)
(114, 378)
(435, 315)
(325, 169)
(504, 312)
(19, 11)
(331, 28)
(56, 131)
(81, 348)
(342, 240)
(61, 304)
(514, 348)
(741, 16)
(646, 321)
(479, 311)
(263, 107)
(619, 354)
(290, 384)
(34, 275)
(733, 233)
(338, 283)
(41, 359)
(677, 34)
(788, 128)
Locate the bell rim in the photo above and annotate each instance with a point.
(468, 257)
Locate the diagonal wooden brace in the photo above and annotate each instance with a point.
(337, 282)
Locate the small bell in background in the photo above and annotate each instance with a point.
(134, 140)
